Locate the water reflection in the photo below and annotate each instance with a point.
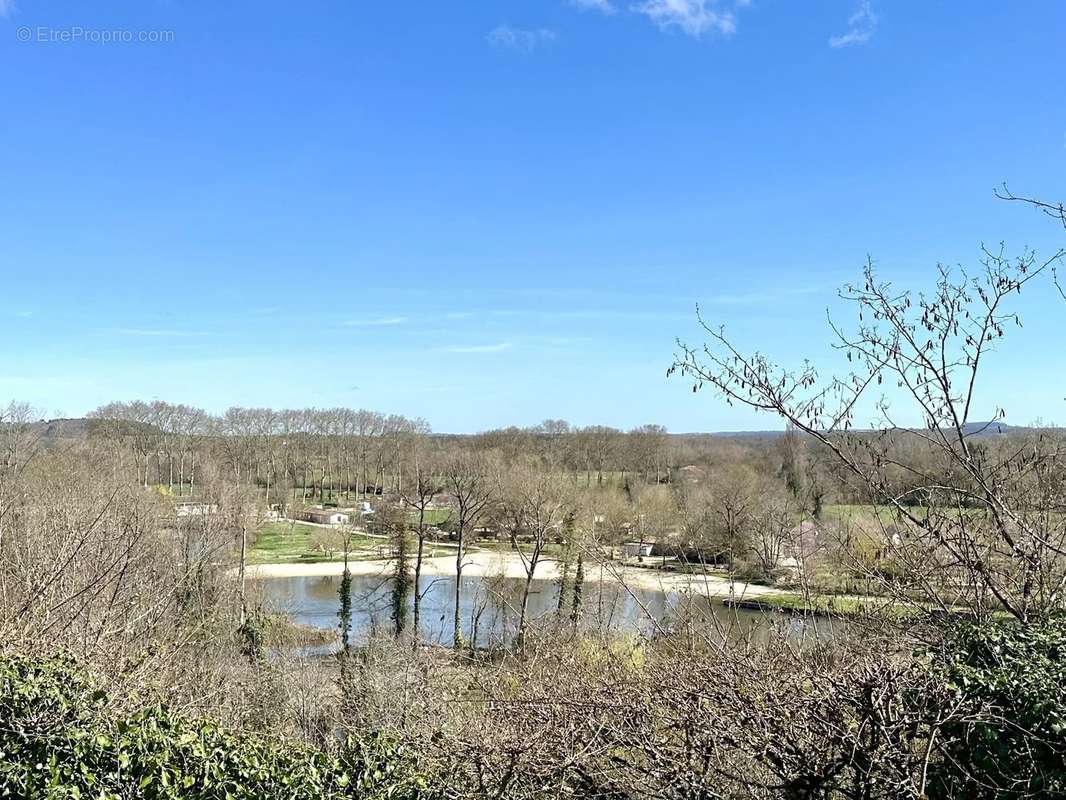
(489, 608)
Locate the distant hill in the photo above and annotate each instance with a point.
(737, 435)
(991, 429)
(970, 429)
(56, 429)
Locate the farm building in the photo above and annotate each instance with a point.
(323, 516)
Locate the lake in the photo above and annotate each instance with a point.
(490, 608)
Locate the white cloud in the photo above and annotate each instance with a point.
(603, 6)
(374, 323)
(861, 26)
(479, 348)
(524, 41)
(6, 7)
(24, 314)
(694, 17)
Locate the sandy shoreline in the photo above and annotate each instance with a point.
(509, 565)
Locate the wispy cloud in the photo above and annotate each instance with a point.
(158, 332)
(559, 341)
(374, 323)
(861, 26)
(603, 6)
(524, 41)
(479, 348)
(24, 314)
(6, 7)
(694, 17)
(459, 314)
(588, 314)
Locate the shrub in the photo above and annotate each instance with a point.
(1007, 735)
(60, 738)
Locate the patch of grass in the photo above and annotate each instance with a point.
(296, 543)
(551, 550)
(609, 478)
(434, 516)
(887, 513)
(827, 605)
(859, 512)
(281, 631)
(818, 604)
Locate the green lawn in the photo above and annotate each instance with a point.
(550, 550)
(817, 604)
(837, 605)
(434, 516)
(852, 512)
(610, 478)
(293, 543)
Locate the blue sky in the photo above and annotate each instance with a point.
(490, 213)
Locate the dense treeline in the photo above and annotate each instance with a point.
(357, 452)
(308, 454)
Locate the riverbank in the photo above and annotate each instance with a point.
(487, 564)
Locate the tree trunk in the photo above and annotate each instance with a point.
(243, 572)
(579, 585)
(520, 639)
(458, 638)
(418, 570)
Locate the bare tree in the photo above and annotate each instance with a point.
(984, 537)
(418, 495)
(533, 504)
(470, 480)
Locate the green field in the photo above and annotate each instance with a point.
(434, 516)
(826, 605)
(296, 543)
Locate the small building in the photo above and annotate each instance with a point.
(322, 516)
(189, 509)
(637, 549)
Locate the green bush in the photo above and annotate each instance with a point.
(1007, 690)
(59, 738)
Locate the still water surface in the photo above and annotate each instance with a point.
(489, 608)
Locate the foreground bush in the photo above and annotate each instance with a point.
(59, 738)
(980, 715)
(1006, 734)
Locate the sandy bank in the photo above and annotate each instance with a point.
(485, 564)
